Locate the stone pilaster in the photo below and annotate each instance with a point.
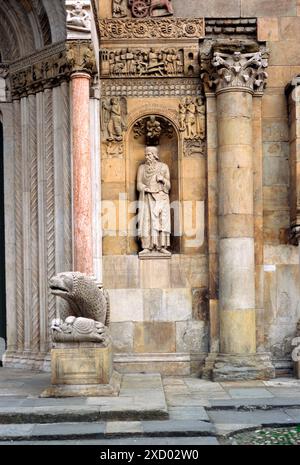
(293, 95)
(235, 77)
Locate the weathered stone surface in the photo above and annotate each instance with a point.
(122, 336)
(267, 29)
(191, 336)
(215, 8)
(243, 367)
(154, 337)
(256, 8)
(82, 365)
(126, 305)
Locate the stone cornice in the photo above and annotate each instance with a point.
(235, 68)
(50, 67)
(166, 28)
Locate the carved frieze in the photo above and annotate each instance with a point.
(166, 87)
(34, 76)
(235, 69)
(166, 28)
(142, 62)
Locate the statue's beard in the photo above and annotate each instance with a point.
(151, 163)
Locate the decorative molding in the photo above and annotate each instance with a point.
(37, 57)
(34, 248)
(233, 68)
(19, 225)
(168, 28)
(145, 62)
(167, 87)
(49, 202)
(52, 68)
(230, 27)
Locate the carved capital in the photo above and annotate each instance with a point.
(235, 69)
(80, 57)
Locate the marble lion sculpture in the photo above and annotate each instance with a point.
(85, 314)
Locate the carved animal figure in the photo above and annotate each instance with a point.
(84, 297)
(157, 4)
(79, 330)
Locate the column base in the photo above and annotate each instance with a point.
(242, 367)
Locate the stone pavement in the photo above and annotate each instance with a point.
(184, 410)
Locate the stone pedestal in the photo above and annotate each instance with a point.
(82, 369)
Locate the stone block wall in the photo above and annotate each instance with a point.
(139, 325)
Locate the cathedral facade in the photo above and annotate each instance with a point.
(153, 144)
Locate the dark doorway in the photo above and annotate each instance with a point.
(2, 245)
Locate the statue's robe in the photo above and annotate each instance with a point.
(154, 206)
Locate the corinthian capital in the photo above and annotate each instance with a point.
(236, 69)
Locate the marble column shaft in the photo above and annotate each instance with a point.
(236, 222)
(82, 188)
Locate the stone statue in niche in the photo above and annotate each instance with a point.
(151, 128)
(153, 131)
(153, 185)
(113, 118)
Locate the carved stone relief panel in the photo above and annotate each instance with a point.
(113, 125)
(78, 18)
(141, 8)
(145, 62)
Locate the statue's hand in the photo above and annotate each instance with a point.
(159, 178)
(146, 189)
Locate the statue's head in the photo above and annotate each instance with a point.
(151, 154)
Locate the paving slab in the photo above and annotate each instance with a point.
(149, 441)
(257, 417)
(180, 428)
(285, 391)
(188, 413)
(253, 404)
(120, 428)
(293, 413)
(186, 401)
(253, 393)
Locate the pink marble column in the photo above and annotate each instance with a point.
(82, 189)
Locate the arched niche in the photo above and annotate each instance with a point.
(168, 145)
